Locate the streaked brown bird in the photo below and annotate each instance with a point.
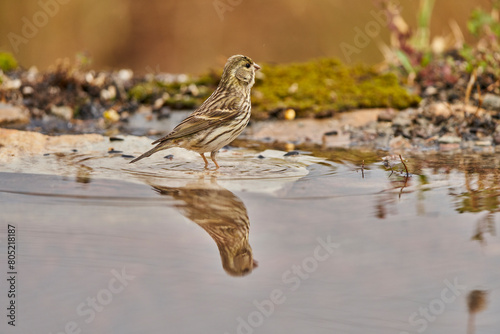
(222, 215)
(220, 119)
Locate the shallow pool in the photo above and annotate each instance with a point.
(267, 244)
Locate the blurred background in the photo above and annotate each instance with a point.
(190, 36)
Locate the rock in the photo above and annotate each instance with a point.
(496, 135)
(293, 88)
(484, 142)
(386, 115)
(449, 139)
(12, 84)
(496, 139)
(111, 115)
(109, 93)
(291, 153)
(64, 112)
(28, 90)
(31, 74)
(158, 103)
(399, 142)
(331, 133)
(164, 113)
(402, 119)
(13, 114)
(440, 109)
(431, 90)
(449, 147)
(125, 74)
(99, 80)
(193, 90)
(289, 114)
(491, 102)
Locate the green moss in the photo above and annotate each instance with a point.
(7, 62)
(323, 86)
(142, 92)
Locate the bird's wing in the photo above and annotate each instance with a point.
(197, 122)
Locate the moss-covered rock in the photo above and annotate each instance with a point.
(323, 86)
(7, 62)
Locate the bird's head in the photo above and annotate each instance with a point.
(239, 70)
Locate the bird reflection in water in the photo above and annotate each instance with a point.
(222, 215)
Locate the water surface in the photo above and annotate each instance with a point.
(269, 244)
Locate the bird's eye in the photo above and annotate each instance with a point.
(247, 65)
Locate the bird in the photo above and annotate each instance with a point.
(222, 215)
(218, 120)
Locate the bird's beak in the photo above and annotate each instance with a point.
(257, 67)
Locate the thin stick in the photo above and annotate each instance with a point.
(407, 174)
(480, 99)
(363, 169)
(470, 84)
(402, 188)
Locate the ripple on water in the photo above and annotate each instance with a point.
(241, 169)
(235, 165)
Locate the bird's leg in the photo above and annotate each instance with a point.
(204, 159)
(212, 156)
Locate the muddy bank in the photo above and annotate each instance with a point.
(437, 126)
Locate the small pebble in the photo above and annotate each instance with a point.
(386, 116)
(111, 115)
(64, 112)
(291, 153)
(449, 139)
(483, 143)
(496, 139)
(28, 90)
(491, 102)
(115, 139)
(164, 113)
(127, 156)
(46, 154)
(331, 133)
(74, 150)
(260, 156)
(169, 157)
(430, 90)
(289, 114)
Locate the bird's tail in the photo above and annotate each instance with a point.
(157, 148)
